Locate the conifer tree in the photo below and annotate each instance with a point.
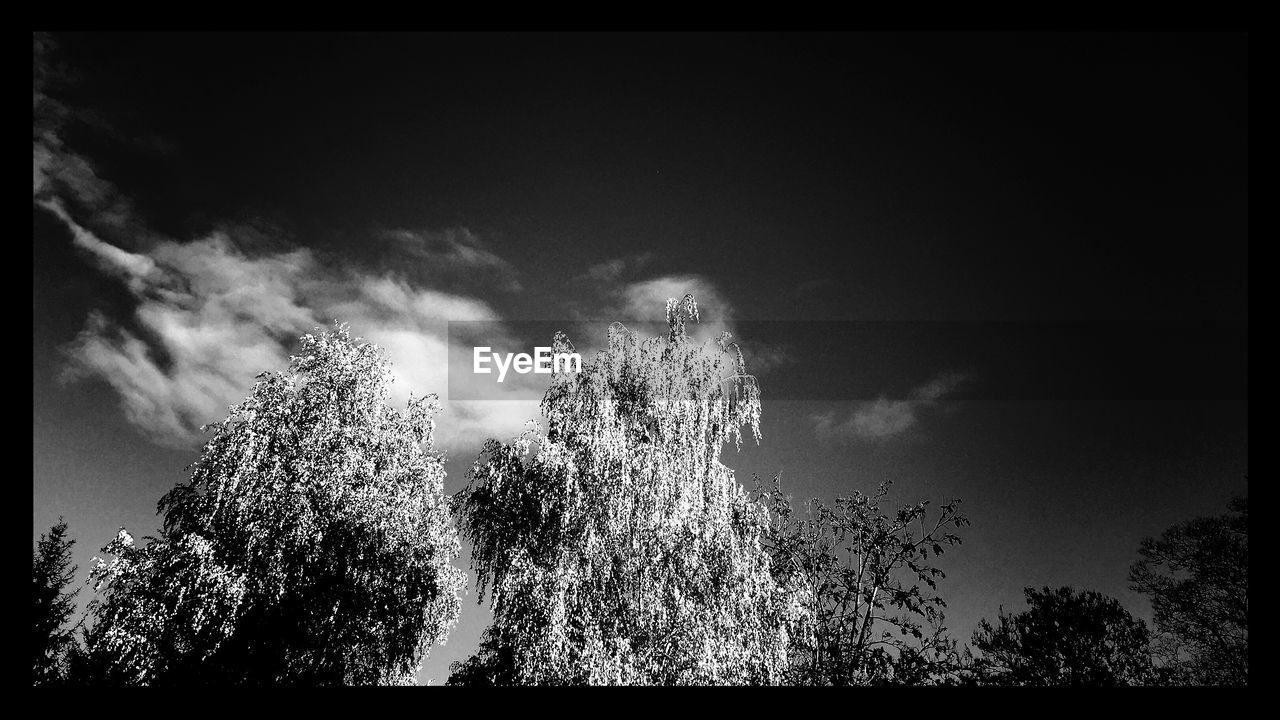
(51, 573)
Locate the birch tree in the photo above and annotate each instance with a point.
(311, 545)
(622, 551)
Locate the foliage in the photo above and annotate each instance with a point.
(1084, 639)
(51, 573)
(493, 665)
(169, 606)
(311, 545)
(624, 551)
(1197, 576)
(870, 586)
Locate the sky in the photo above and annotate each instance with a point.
(1007, 268)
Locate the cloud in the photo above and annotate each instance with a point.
(60, 176)
(937, 388)
(612, 271)
(209, 317)
(641, 304)
(648, 298)
(761, 358)
(882, 418)
(211, 313)
(617, 292)
(130, 267)
(444, 256)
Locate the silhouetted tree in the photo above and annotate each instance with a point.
(311, 545)
(870, 587)
(1197, 576)
(624, 551)
(51, 573)
(1065, 638)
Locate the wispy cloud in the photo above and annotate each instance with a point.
(212, 312)
(209, 317)
(131, 268)
(444, 255)
(883, 418)
(617, 270)
(761, 358)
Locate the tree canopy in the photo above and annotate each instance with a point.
(1064, 638)
(1197, 576)
(311, 545)
(623, 551)
(870, 585)
(51, 573)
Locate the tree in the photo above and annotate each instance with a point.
(311, 545)
(51, 573)
(1197, 576)
(624, 551)
(870, 586)
(1065, 638)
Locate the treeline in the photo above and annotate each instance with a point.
(313, 545)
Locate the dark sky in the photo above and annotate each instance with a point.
(1008, 268)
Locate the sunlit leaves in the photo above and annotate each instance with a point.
(311, 545)
(622, 551)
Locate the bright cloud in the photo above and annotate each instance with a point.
(211, 313)
(210, 317)
(640, 303)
